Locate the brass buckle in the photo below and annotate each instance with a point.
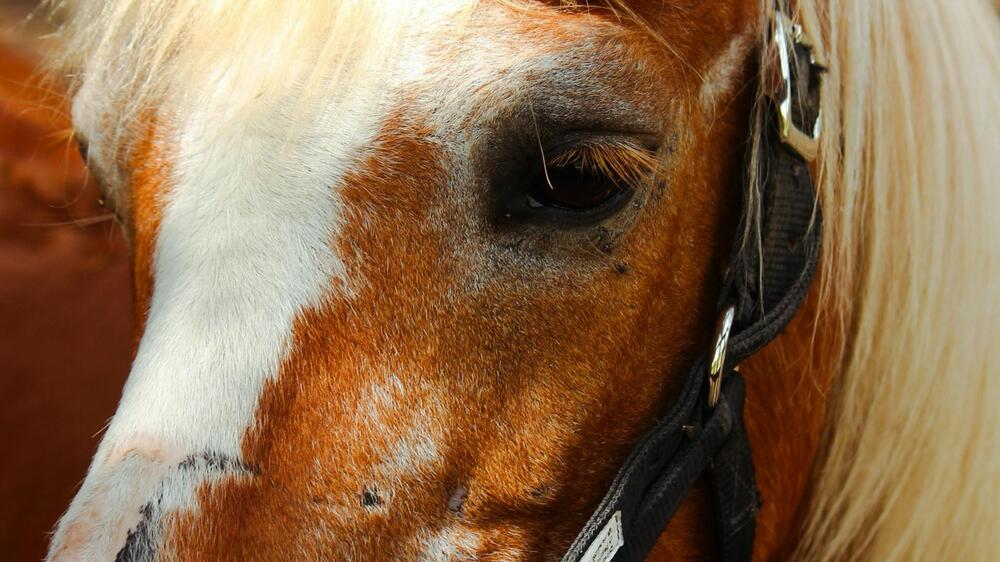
(721, 340)
(785, 36)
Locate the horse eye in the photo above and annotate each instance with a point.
(579, 183)
(573, 187)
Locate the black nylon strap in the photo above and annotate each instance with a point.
(774, 257)
(662, 468)
(772, 266)
(695, 456)
(734, 488)
(789, 233)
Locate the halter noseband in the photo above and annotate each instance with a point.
(771, 268)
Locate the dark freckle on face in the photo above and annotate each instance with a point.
(621, 267)
(457, 499)
(540, 491)
(370, 498)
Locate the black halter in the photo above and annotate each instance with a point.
(770, 271)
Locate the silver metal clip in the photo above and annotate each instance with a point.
(721, 341)
(785, 37)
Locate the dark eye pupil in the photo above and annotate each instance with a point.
(573, 188)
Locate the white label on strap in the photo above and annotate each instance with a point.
(607, 542)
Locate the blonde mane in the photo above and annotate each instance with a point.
(911, 256)
(911, 259)
(146, 51)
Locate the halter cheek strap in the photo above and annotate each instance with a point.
(771, 269)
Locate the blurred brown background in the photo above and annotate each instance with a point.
(65, 312)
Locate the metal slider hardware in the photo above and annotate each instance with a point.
(786, 36)
(721, 340)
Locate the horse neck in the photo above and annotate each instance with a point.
(787, 385)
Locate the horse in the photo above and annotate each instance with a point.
(412, 279)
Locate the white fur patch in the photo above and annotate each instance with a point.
(718, 81)
(416, 421)
(450, 544)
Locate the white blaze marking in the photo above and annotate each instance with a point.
(245, 244)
